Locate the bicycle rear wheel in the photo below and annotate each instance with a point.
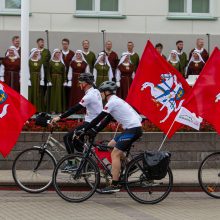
(76, 184)
(141, 188)
(32, 169)
(209, 175)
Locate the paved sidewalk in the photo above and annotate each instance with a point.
(18, 205)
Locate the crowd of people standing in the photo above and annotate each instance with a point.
(53, 77)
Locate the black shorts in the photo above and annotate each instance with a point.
(127, 137)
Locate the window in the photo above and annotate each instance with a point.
(191, 7)
(10, 5)
(98, 7)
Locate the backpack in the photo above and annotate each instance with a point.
(156, 164)
(42, 119)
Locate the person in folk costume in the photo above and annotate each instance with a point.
(78, 65)
(133, 55)
(45, 57)
(88, 55)
(67, 53)
(195, 64)
(124, 75)
(159, 49)
(36, 80)
(200, 48)
(182, 56)
(174, 60)
(10, 69)
(112, 57)
(16, 43)
(57, 80)
(102, 69)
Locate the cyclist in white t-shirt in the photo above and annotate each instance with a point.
(125, 115)
(92, 102)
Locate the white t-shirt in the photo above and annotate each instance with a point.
(122, 112)
(92, 101)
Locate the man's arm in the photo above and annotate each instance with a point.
(104, 123)
(96, 120)
(72, 110)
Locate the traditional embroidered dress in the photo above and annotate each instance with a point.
(77, 66)
(36, 74)
(10, 69)
(102, 69)
(124, 75)
(57, 79)
(90, 59)
(173, 59)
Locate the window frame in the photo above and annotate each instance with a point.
(96, 12)
(189, 12)
(8, 10)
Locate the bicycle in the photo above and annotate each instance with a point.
(80, 183)
(209, 175)
(32, 169)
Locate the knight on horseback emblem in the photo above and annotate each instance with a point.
(3, 98)
(217, 98)
(166, 93)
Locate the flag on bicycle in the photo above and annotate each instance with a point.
(204, 98)
(15, 110)
(158, 90)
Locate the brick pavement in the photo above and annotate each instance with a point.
(17, 205)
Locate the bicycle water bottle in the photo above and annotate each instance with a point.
(107, 163)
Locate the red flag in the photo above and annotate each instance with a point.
(15, 110)
(158, 90)
(204, 98)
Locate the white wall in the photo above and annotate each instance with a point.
(146, 16)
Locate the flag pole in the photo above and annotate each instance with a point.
(166, 135)
(25, 4)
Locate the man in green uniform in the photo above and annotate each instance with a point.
(88, 55)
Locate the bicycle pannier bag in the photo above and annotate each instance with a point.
(156, 164)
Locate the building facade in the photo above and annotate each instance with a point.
(164, 21)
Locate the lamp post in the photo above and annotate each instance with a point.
(25, 5)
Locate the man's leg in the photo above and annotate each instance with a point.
(68, 142)
(116, 164)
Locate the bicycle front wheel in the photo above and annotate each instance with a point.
(76, 183)
(209, 175)
(141, 188)
(32, 169)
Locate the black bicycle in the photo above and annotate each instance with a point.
(209, 175)
(83, 180)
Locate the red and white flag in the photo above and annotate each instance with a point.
(15, 110)
(158, 90)
(204, 98)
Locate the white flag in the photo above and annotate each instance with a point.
(186, 117)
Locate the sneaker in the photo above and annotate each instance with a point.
(69, 168)
(111, 189)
